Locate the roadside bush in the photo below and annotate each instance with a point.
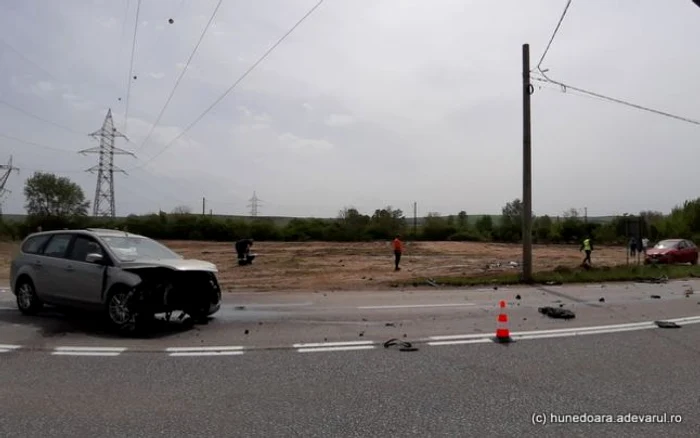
(351, 226)
(466, 236)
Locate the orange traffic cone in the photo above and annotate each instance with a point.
(502, 331)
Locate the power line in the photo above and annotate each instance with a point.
(554, 34)
(31, 143)
(49, 171)
(29, 61)
(182, 74)
(127, 3)
(23, 111)
(21, 55)
(565, 87)
(157, 189)
(131, 68)
(235, 84)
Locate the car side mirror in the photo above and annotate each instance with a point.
(94, 258)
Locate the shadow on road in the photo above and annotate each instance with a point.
(54, 322)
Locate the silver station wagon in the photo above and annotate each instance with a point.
(127, 276)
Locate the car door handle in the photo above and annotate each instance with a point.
(70, 268)
(37, 263)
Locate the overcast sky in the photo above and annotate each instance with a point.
(368, 103)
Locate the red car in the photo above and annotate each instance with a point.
(673, 251)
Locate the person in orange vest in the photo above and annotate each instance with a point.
(398, 249)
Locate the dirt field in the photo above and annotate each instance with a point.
(336, 266)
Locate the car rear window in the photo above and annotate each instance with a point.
(34, 244)
(58, 245)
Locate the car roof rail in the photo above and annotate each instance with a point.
(108, 231)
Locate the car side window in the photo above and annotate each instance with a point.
(682, 245)
(82, 246)
(57, 245)
(34, 244)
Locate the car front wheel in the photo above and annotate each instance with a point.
(120, 314)
(27, 301)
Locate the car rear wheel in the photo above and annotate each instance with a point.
(27, 301)
(695, 260)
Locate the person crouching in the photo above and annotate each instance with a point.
(243, 252)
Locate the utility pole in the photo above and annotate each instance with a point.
(585, 215)
(104, 203)
(204, 206)
(415, 220)
(527, 169)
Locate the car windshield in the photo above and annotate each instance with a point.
(129, 248)
(666, 244)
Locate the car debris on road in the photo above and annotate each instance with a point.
(557, 313)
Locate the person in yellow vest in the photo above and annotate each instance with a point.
(587, 247)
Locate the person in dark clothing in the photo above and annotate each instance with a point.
(633, 247)
(243, 251)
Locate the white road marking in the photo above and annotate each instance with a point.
(221, 348)
(228, 350)
(333, 344)
(409, 306)
(463, 341)
(205, 353)
(7, 308)
(580, 333)
(88, 351)
(478, 338)
(263, 305)
(8, 348)
(324, 349)
(454, 337)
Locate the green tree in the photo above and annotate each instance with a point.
(436, 227)
(386, 223)
(542, 228)
(462, 220)
(484, 225)
(182, 210)
(51, 196)
(510, 228)
(353, 225)
(572, 227)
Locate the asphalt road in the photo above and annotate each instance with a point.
(284, 319)
(453, 391)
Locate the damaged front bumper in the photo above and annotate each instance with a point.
(163, 290)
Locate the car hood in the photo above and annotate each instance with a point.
(659, 251)
(175, 264)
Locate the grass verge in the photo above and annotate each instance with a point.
(564, 275)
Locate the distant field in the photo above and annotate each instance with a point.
(321, 266)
